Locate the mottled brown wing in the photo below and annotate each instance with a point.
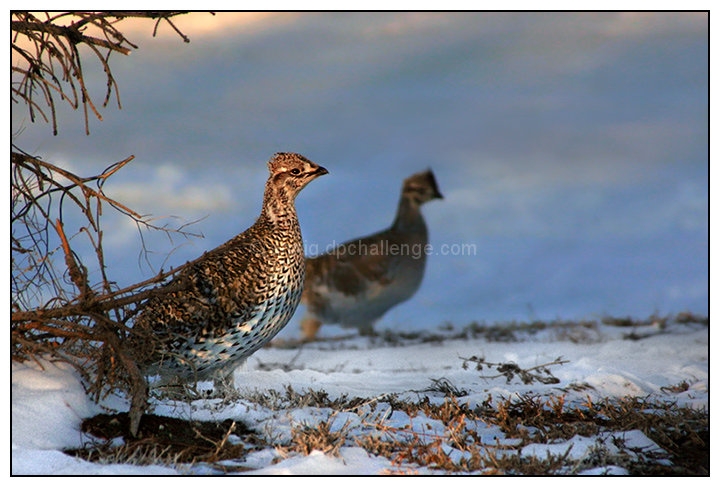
(355, 266)
(215, 297)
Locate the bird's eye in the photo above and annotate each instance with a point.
(295, 171)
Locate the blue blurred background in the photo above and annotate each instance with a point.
(572, 149)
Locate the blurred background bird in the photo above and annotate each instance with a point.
(356, 283)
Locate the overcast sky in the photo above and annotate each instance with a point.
(572, 149)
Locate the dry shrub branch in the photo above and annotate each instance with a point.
(65, 305)
(47, 63)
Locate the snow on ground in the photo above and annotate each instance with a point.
(48, 402)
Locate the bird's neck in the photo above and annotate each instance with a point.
(278, 206)
(408, 216)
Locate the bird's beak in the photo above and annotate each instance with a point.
(319, 171)
(436, 192)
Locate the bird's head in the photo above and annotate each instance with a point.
(421, 188)
(290, 172)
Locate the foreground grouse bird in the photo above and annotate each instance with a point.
(357, 282)
(238, 296)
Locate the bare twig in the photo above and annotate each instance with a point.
(59, 309)
(510, 369)
(48, 60)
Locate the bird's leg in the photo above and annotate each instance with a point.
(366, 328)
(309, 327)
(224, 382)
